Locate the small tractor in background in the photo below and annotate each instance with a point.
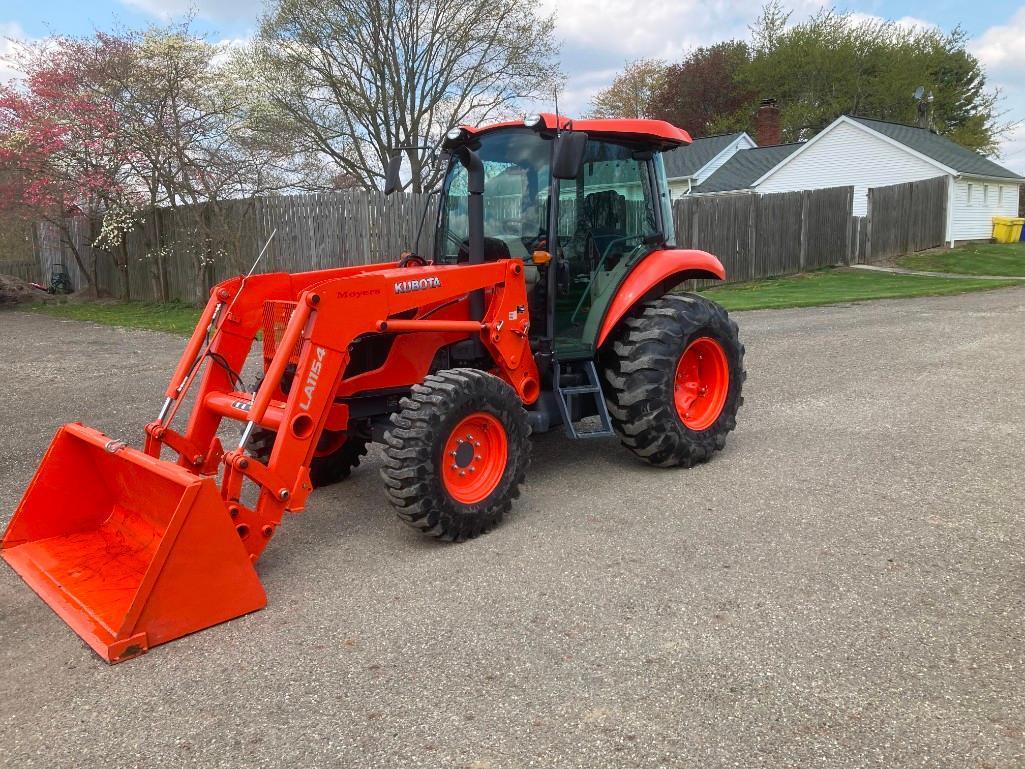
(545, 303)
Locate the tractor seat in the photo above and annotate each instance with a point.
(602, 219)
(605, 213)
(494, 249)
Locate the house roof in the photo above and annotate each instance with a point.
(938, 148)
(687, 161)
(745, 167)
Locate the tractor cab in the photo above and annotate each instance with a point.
(580, 202)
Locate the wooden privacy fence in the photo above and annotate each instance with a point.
(178, 254)
(29, 271)
(759, 236)
(904, 218)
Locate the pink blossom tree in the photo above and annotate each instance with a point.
(61, 152)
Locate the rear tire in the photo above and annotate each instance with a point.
(456, 454)
(675, 375)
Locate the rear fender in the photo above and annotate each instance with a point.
(655, 275)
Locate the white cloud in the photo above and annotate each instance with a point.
(214, 10)
(655, 28)
(1001, 52)
(1012, 151)
(1000, 48)
(575, 96)
(598, 37)
(11, 34)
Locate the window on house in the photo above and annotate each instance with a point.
(1000, 195)
(985, 193)
(969, 194)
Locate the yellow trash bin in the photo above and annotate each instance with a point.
(1007, 229)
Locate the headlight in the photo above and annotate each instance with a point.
(454, 134)
(532, 121)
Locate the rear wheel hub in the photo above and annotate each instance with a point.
(701, 384)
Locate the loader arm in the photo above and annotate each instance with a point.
(141, 550)
(323, 326)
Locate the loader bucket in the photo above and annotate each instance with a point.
(129, 550)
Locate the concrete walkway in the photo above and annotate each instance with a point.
(903, 271)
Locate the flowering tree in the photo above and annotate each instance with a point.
(196, 150)
(135, 128)
(61, 153)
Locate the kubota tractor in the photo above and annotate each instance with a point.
(545, 303)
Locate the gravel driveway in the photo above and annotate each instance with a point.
(843, 586)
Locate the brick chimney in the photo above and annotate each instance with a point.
(767, 130)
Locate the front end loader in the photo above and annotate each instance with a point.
(546, 302)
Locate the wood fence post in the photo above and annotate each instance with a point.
(805, 212)
(752, 231)
(868, 227)
(849, 205)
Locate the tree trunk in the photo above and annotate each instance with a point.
(68, 238)
(126, 290)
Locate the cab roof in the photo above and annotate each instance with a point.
(656, 131)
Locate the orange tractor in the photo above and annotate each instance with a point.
(544, 303)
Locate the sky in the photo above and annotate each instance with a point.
(597, 37)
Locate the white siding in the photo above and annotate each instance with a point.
(973, 220)
(849, 156)
(743, 142)
(678, 188)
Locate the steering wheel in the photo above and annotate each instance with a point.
(409, 259)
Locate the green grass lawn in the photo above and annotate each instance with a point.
(808, 290)
(839, 285)
(972, 259)
(174, 317)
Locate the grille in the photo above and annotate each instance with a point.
(275, 318)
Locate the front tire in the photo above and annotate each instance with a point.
(675, 375)
(456, 454)
(334, 459)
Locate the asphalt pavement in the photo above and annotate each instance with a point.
(843, 586)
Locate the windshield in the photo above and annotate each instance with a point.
(516, 185)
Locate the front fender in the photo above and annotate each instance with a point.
(659, 270)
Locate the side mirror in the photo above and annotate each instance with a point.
(391, 174)
(569, 154)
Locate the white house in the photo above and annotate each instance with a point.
(866, 153)
(690, 165)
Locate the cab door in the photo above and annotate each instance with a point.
(608, 216)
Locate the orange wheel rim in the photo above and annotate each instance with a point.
(475, 457)
(702, 383)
